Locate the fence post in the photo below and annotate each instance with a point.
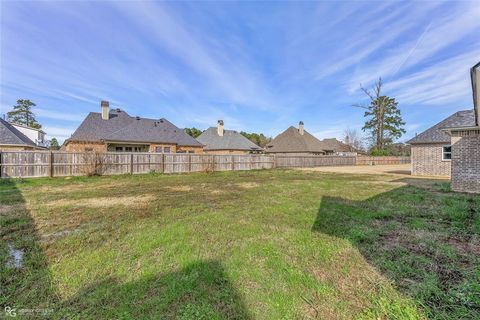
(131, 163)
(274, 164)
(233, 163)
(189, 162)
(1, 167)
(163, 162)
(213, 162)
(50, 164)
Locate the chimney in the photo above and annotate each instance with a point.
(220, 128)
(300, 128)
(105, 110)
(347, 140)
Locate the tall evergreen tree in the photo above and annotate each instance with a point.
(193, 132)
(22, 114)
(384, 120)
(54, 144)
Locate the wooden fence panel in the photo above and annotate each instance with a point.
(313, 161)
(368, 161)
(58, 164)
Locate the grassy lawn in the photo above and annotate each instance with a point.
(274, 244)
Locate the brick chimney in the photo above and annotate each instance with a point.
(300, 128)
(105, 106)
(220, 128)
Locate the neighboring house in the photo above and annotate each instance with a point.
(334, 147)
(452, 147)
(298, 141)
(220, 141)
(36, 135)
(115, 130)
(431, 150)
(13, 139)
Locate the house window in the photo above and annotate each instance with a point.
(128, 149)
(166, 149)
(191, 151)
(119, 149)
(447, 153)
(158, 149)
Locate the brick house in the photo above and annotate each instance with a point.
(220, 141)
(115, 130)
(452, 147)
(431, 150)
(298, 141)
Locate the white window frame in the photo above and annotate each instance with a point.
(443, 153)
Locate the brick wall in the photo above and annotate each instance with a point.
(77, 146)
(189, 149)
(466, 161)
(427, 160)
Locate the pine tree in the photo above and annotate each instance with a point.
(54, 144)
(22, 114)
(193, 132)
(384, 120)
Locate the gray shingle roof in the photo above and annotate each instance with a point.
(435, 134)
(231, 140)
(334, 145)
(122, 127)
(292, 141)
(12, 136)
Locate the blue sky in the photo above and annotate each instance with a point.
(259, 66)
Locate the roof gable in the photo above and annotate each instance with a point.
(122, 127)
(436, 134)
(292, 141)
(231, 140)
(12, 136)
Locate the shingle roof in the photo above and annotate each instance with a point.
(122, 127)
(12, 136)
(435, 134)
(333, 144)
(231, 140)
(291, 140)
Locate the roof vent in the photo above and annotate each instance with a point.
(161, 120)
(118, 110)
(137, 117)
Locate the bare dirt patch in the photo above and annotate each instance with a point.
(6, 209)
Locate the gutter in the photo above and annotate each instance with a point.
(475, 76)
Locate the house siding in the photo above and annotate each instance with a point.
(427, 160)
(76, 146)
(189, 149)
(466, 161)
(15, 148)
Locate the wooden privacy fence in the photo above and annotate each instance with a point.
(293, 161)
(60, 164)
(369, 161)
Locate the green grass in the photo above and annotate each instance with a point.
(274, 244)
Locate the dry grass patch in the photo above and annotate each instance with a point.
(104, 202)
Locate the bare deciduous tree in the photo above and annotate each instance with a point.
(353, 138)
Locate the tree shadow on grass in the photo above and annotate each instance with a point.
(420, 235)
(200, 291)
(25, 281)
